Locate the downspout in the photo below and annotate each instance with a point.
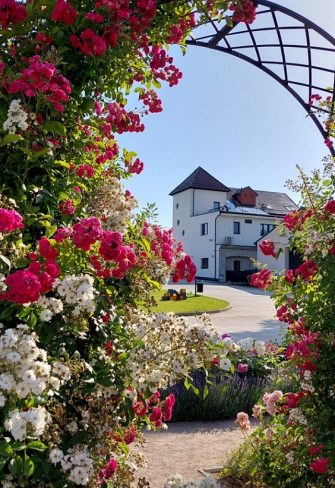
(218, 215)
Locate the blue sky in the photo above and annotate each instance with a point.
(230, 118)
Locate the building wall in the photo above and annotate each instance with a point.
(245, 262)
(249, 233)
(196, 245)
(204, 200)
(182, 205)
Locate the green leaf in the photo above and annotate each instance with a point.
(28, 466)
(6, 264)
(6, 313)
(10, 138)
(187, 383)
(205, 392)
(3, 463)
(37, 446)
(5, 449)
(16, 466)
(63, 196)
(18, 446)
(62, 163)
(50, 231)
(54, 126)
(32, 320)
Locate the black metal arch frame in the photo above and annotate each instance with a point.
(240, 40)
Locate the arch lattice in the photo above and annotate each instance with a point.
(290, 48)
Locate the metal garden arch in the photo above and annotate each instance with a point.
(290, 48)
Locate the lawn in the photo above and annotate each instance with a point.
(193, 304)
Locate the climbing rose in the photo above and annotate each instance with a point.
(46, 250)
(89, 43)
(242, 421)
(85, 171)
(330, 207)
(268, 247)
(93, 17)
(108, 470)
(262, 279)
(87, 232)
(307, 269)
(289, 276)
(11, 12)
(64, 12)
(23, 287)
(111, 245)
(67, 207)
(320, 465)
(168, 405)
(10, 220)
(242, 368)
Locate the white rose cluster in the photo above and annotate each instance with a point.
(177, 481)
(77, 290)
(296, 415)
(113, 203)
(16, 118)
(30, 423)
(318, 242)
(250, 344)
(77, 464)
(50, 307)
(26, 370)
(167, 348)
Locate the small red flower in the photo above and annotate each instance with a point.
(320, 466)
(268, 247)
(330, 207)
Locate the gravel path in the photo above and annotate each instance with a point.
(186, 447)
(189, 446)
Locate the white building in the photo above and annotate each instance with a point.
(220, 226)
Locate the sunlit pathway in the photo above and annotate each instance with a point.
(252, 312)
(187, 447)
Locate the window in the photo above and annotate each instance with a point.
(204, 263)
(183, 232)
(237, 228)
(177, 205)
(237, 265)
(248, 221)
(178, 222)
(216, 205)
(204, 229)
(266, 228)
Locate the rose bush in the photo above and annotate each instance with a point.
(80, 366)
(295, 444)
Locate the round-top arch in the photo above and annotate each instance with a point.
(293, 50)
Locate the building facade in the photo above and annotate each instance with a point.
(221, 226)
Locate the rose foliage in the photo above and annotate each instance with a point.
(80, 366)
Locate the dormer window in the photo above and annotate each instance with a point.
(246, 196)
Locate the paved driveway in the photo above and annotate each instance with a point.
(252, 312)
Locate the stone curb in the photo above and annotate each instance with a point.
(189, 314)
